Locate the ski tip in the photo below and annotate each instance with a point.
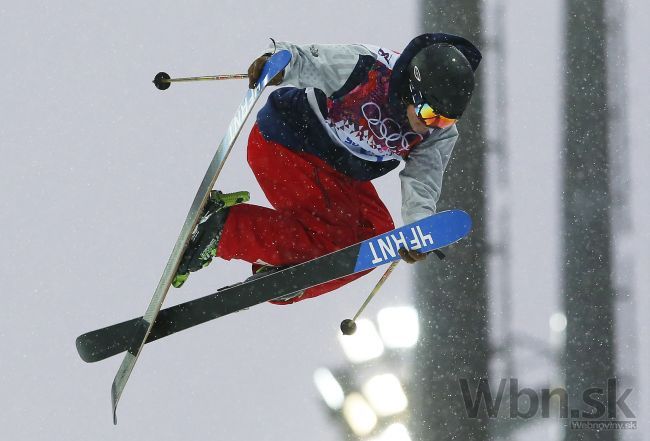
(455, 220)
(275, 64)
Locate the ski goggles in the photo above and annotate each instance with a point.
(425, 112)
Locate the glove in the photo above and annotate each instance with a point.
(412, 256)
(255, 70)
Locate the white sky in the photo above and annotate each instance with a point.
(98, 169)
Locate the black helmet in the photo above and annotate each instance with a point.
(444, 77)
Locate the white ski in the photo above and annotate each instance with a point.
(273, 66)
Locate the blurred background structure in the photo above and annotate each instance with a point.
(98, 169)
(589, 359)
(452, 297)
(597, 309)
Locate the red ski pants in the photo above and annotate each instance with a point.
(316, 210)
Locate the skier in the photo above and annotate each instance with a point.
(356, 112)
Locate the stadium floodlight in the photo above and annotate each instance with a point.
(364, 345)
(329, 388)
(395, 432)
(385, 394)
(359, 415)
(399, 326)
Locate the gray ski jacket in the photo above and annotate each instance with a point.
(328, 68)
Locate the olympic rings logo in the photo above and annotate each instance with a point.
(387, 129)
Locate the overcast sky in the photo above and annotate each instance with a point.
(98, 170)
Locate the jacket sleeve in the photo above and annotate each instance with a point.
(421, 178)
(323, 66)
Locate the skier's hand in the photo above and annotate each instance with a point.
(255, 70)
(412, 256)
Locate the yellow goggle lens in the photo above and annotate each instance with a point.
(433, 119)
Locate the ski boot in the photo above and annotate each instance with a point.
(205, 237)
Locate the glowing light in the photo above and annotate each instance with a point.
(329, 388)
(399, 326)
(385, 394)
(395, 432)
(557, 322)
(359, 414)
(365, 344)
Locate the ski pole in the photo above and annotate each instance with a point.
(162, 80)
(349, 326)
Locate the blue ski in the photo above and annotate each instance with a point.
(428, 234)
